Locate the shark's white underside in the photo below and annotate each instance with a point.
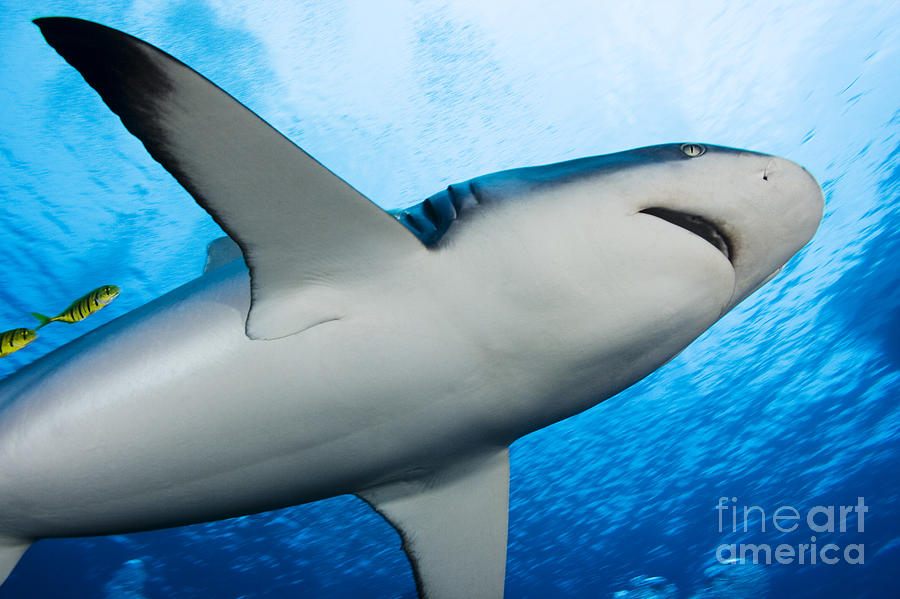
(353, 358)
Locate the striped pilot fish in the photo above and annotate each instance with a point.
(83, 306)
(14, 340)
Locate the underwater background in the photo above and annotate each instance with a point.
(790, 400)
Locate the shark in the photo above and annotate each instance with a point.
(332, 347)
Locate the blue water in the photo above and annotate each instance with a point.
(791, 399)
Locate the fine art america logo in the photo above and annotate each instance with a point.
(820, 520)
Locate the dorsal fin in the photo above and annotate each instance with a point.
(301, 229)
(453, 525)
(220, 252)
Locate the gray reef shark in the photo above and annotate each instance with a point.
(338, 348)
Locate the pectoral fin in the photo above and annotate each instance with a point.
(454, 526)
(11, 551)
(302, 230)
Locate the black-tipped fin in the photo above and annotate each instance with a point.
(302, 230)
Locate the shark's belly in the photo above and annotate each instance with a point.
(171, 415)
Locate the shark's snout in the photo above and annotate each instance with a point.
(776, 218)
(756, 209)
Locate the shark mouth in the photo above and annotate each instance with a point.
(697, 225)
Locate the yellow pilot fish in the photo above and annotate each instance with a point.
(83, 306)
(15, 340)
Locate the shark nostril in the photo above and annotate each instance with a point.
(771, 169)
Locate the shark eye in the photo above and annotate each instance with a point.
(692, 150)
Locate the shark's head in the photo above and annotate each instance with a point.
(628, 257)
(755, 210)
(701, 208)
